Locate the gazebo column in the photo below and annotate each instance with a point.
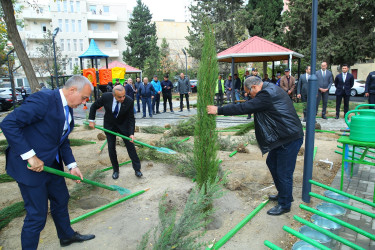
(264, 69)
(273, 67)
(96, 89)
(290, 63)
(232, 74)
(299, 67)
(81, 63)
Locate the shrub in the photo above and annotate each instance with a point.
(184, 127)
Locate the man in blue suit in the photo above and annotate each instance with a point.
(344, 83)
(325, 80)
(37, 134)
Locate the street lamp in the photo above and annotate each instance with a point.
(185, 59)
(54, 33)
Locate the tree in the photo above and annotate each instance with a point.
(152, 63)
(263, 18)
(205, 136)
(167, 65)
(345, 30)
(45, 62)
(139, 40)
(14, 36)
(226, 17)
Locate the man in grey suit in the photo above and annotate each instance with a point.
(325, 80)
(302, 90)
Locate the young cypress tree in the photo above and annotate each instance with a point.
(205, 137)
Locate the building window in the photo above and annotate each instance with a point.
(73, 25)
(108, 44)
(68, 44)
(62, 44)
(66, 25)
(106, 9)
(58, 6)
(81, 44)
(94, 26)
(44, 28)
(72, 6)
(107, 26)
(79, 26)
(65, 6)
(70, 63)
(75, 44)
(78, 6)
(76, 61)
(60, 25)
(93, 9)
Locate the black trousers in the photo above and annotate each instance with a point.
(111, 139)
(323, 96)
(219, 99)
(182, 101)
(371, 99)
(338, 103)
(167, 97)
(156, 103)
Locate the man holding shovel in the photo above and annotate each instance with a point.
(119, 118)
(37, 134)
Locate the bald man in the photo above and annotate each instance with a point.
(119, 118)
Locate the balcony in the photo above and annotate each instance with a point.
(111, 52)
(91, 17)
(36, 15)
(103, 35)
(32, 35)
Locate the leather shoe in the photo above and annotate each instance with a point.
(115, 175)
(138, 174)
(273, 197)
(337, 117)
(180, 110)
(324, 117)
(277, 210)
(76, 238)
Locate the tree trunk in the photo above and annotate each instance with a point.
(14, 36)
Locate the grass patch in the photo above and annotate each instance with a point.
(76, 125)
(3, 146)
(298, 107)
(79, 142)
(226, 143)
(246, 128)
(5, 178)
(184, 127)
(152, 130)
(172, 143)
(147, 154)
(8, 213)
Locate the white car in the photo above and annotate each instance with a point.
(358, 88)
(7, 94)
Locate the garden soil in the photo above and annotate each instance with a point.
(122, 226)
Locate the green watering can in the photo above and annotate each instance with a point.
(362, 124)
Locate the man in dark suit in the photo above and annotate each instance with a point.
(344, 83)
(37, 133)
(119, 118)
(325, 80)
(302, 89)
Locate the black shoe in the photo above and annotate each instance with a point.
(158, 112)
(154, 113)
(164, 111)
(115, 175)
(76, 238)
(324, 117)
(172, 111)
(144, 116)
(138, 174)
(278, 210)
(189, 110)
(273, 197)
(337, 117)
(180, 110)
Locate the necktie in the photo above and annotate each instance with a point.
(115, 112)
(66, 107)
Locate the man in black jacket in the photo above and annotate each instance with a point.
(344, 83)
(119, 118)
(166, 89)
(278, 131)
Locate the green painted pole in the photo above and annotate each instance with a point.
(341, 204)
(84, 216)
(342, 193)
(232, 232)
(305, 238)
(187, 138)
(235, 152)
(228, 130)
(338, 221)
(315, 150)
(328, 233)
(102, 147)
(323, 131)
(355, 158)
(121, 164)
(271, 245)
(358, 153)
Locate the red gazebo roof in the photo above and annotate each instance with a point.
(129, 69)
(256, 49)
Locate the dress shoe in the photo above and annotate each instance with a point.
(337, 117)
(188, 110)
(138, 174)
(76, 238)
(158, 112)
(324, 117)
(172, 111)
(144, 116)
(115, 175)
(180, 110)
(154, 113)
(164, 111)
(278, 210)
(273, 197)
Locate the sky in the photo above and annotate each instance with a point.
(164, 9)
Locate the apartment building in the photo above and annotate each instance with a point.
(78, 21)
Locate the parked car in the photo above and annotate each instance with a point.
(7, 94)
(194, 84)
(5, 104)
(358, 88)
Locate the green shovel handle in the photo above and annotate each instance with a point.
(122, 136)
(74, 177)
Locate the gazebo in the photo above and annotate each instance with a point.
(129, 69)
(256, 49)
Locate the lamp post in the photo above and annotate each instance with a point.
(54, 33)
(185, 59)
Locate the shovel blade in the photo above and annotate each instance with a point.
(166, 150)
(121, 190)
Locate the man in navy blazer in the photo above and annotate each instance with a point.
(37, 134)
(344, 83)
(325, 80)
(302, 90)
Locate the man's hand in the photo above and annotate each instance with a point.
(35, 164)
(299, 96)
(324, 90)
(211, 110)
(77, 172)
(229, 89)
(92, 124)
(158, 92)
(366, 94)
(152, 97)
(132, 137)
(289, 92)
(189, 93)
